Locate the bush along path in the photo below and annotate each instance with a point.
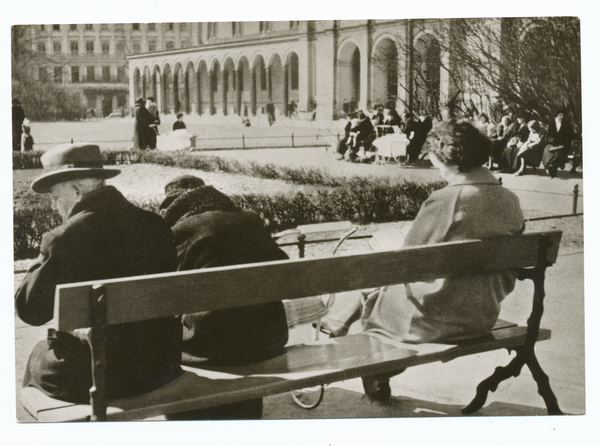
(357, 199)
(296, 175)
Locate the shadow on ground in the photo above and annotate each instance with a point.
(342, 403)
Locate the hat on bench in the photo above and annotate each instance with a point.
(69, 162)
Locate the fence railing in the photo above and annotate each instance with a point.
(293, 140)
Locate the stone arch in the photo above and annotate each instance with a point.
(229, 86)
(137, 85)
(348, 76)
(203, 88)
(167, 89)
(244, 90)
(190, 88)
(291, 77)
(156, 86)
(276, 83)
(385, 70)
(178, 87)
(216, 86)
(427, 64)
(260, 95)
(146, 82)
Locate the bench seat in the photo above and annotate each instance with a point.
(304, 365)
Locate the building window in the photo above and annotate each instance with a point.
(135, 26)
(236, 28)
(106, 47)
(43, 73)
(58, 74)
(74, 74)
(89, 27)
(72, 27)
(183, 26)
(264, 27)
(151, 45)
(91, 75)
(170, 26)
(121, 76)
(294, 24)
(55, 27)
(104, 27)
(151, 26)
(119, 27)
(212, 30)
(169, 45)
(120, 47)
(41, 48)
(41, 27)
(185, 44)
(56, 47)
(74, 47)
(105, 74)
(89, 47)
(137, 47)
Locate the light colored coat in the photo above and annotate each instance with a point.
(473, 206)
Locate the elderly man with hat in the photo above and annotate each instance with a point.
(102, 236)
(211, 231)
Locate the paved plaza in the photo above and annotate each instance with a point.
(440, 390)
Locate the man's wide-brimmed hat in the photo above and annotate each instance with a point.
(69, 162)
(179, 186)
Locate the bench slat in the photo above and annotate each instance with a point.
(306, 365)
(152, 296)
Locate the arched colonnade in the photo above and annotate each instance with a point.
(241, 86)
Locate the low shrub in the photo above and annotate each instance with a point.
(359, 200)
(296, 175)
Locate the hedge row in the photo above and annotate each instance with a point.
(359, 200)
(296, 175)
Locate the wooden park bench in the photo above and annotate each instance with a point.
(372, 357)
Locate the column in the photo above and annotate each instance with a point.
(186, 91)
(198, 81)
(239, 86)
(253, 92)
(286, 93)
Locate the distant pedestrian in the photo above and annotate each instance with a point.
(179, 124)
(152, 107)
(271, 113)
(26, 139)
(18, 116)
(141, 126)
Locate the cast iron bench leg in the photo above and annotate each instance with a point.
(513, 369)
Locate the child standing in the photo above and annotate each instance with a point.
(26, 139)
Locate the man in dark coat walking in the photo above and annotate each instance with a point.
(103, 236)
(210, 231)
(141, 127)
(18, 116)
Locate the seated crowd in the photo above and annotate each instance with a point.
(519, 142)
(361, 132)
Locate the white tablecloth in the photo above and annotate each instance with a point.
(392, 145)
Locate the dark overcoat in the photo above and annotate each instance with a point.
(223, 237)
(104, 237)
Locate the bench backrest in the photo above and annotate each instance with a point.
(147, 297)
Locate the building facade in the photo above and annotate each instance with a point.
(238, 67)
(90, 59)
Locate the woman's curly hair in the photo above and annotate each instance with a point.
(459, 143)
